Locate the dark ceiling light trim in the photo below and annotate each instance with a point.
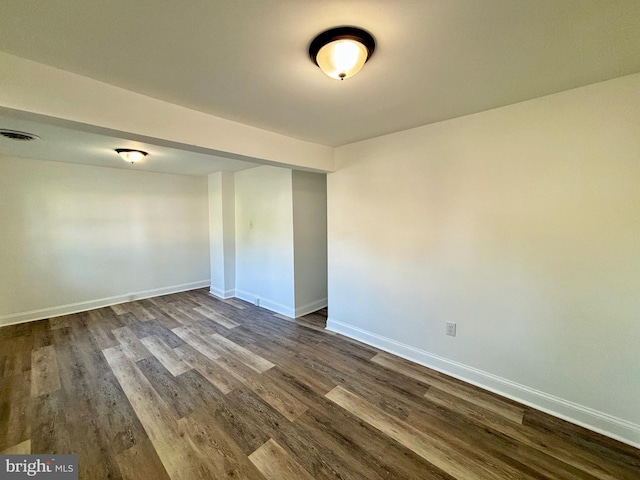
(329, 65)
(130, 155)
(19, 136)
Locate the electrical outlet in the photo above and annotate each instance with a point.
(257, 302)
(451, 329)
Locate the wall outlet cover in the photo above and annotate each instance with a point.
(451, 329)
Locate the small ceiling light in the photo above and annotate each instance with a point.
(16, 135)
(342, 51)
(131, 156)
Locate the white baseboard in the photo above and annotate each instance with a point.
(311, 307)
(616, 428)
(70, 308)
(268, 303)
(265, 303)
(223, 294)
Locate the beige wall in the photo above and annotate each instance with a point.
(521, 224)
(75, 237)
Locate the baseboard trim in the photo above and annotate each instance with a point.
(223, 294)
(600, 422)
(311, 307)
(265, 302)
(70, 308)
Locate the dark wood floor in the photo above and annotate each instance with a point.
(187, 386)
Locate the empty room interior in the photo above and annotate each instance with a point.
(343, 239)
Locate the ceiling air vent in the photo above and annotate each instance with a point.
(20, 136)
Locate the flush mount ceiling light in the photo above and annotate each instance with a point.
(131, 156)
(16, 135)
(342, 51)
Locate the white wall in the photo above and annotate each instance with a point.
(229, 227)
(75, 237)
(222, 233)
(264, 238)
(310, 241)
(521, 224)
(216, 234)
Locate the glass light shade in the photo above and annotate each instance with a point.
(342, 59)
(131, 156)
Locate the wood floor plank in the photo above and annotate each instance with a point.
(247, 357)
(276, 464)
(349, 347)
(285, 403)
(220, 319)
(158, 315)
(100, 330)
(210, 369)
(171, 360)
(177, 456)
(245, 433)
(323, 460)
(235, 368)
(169, 311)
(106, 320)
(49, 424)
(182, 394)
(187, 386)
(120, 309)
(511, 412)
(598, 467)
(431, 449)
(581, 439)
(61, 321)
(304, 323)
(226, 459)
(200, 343)
(141, 462)
(158, 329)
(189, 316)
(507, 457)
(234, 303)
(44, 371)
(17, 363)
(203, 327)
(22, 448)
(3, 364)
(131, 345)
(141, 312)
(369, 445)
(366, 384)
(88, 393)
(15, 411)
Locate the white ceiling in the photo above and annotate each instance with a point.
(62, 144)
(247, 60)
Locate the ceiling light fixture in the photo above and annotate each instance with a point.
(342, 51)
(131, 156)
(16, 135)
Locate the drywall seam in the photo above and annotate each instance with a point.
(600, 422)
(70, 308)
